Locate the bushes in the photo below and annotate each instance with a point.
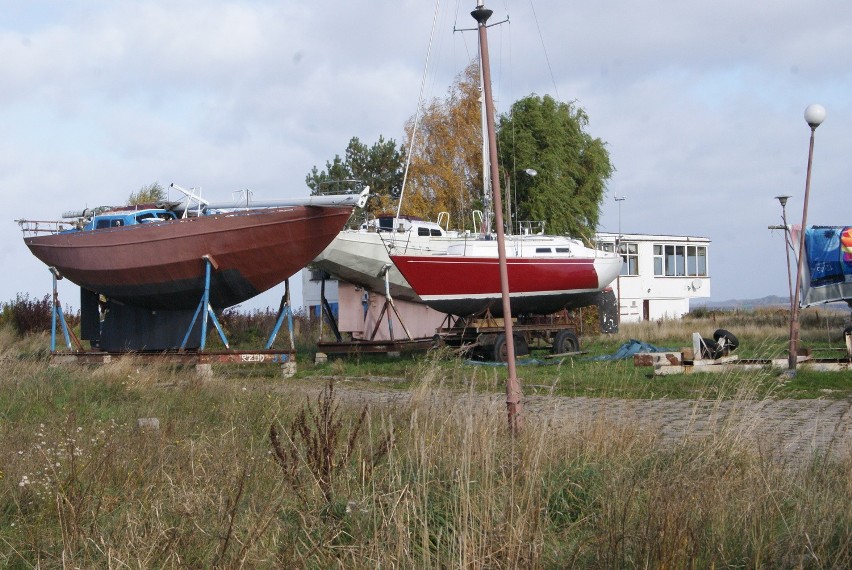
(28, 315)
(32, 315)
(252, 329)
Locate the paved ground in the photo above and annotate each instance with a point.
(789, 429)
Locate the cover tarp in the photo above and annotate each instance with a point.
(628, 349)
(827, 275)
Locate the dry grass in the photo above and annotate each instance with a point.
(433, 482)
(759, 324)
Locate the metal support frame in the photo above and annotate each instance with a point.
(204, 305)
(284, 310)
(389, 303)
(57, 314)
(327, 314)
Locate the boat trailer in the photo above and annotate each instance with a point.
(485, 335)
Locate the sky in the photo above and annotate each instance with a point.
(701, 106)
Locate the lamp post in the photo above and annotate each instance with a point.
(532, 173)
(618, 250)
(787, 244)
(814, 116)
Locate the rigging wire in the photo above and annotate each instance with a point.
(419, 108)
(544, 48)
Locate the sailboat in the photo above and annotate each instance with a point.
(526, 274)
(361, 256)
(155, 256)
(546, 274)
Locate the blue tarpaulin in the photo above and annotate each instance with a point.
(828, 271)
(628, 349)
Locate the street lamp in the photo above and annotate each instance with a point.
(787, 245)
(618, 250)
(814, 116)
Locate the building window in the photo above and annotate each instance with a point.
(629, 255)
(680, 260)
(629, 258)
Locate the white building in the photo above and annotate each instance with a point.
(660, 274)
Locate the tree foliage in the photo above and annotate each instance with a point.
(446, 165)
(572, 167)
(150, 194)
(445, 174)
(378, 166)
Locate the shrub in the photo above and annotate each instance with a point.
(33, 315)
(29, 315)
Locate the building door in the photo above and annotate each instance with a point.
(646, 310)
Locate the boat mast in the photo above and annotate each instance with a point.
(514, 407)
(486, 163)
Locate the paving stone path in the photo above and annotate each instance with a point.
(789, 429)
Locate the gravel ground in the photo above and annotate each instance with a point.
(789, 429)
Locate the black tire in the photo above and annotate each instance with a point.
(500, 352)
(731, 342)
(521, 347)
(565, 341)
(710, 349)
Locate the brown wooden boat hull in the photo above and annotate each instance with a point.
(161, 265)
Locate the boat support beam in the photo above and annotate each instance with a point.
(389, 302)
(204, 305)
(328, 314)
(284, 310)
(56, 314)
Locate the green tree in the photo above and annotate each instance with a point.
(378, 166)
(150, 194)
(572, 167)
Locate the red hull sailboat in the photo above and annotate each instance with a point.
(526, 274)
(554, 273)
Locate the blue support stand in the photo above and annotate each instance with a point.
(56, 314)
(204, 306)
(284, 310)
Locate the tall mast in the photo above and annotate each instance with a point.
(514, 407)
(486, 163)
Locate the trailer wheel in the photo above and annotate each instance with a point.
(501, 351)
(731, 342)
(565, 341)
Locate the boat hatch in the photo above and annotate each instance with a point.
(130, 219)
(109, 222)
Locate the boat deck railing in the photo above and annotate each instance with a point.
(39, 227)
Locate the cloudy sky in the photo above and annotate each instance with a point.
(701, 105)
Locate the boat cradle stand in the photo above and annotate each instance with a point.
(56, 314)
(202, 359)
(391, 347)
